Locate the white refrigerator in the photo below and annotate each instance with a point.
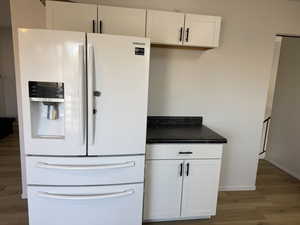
(84, 105)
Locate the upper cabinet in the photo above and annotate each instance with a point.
(71, 16)
(122, 21)
(202, 30)
(165, 27)
(162, 27)
(183, 29)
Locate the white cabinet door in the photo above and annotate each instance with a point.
(163, 186)
(165, 27)
(71, 16)
(118, 68)
(202, 31)
(200, 188)
(122, 21)
(92, 205)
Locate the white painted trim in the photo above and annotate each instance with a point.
(293, 174)
(237, 188)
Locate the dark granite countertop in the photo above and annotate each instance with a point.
(181, 130)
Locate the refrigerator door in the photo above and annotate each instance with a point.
(91, 205)
(52, 63)
(118, 73)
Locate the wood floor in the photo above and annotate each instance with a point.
(275, 202)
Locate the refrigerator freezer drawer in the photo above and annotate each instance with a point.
(113, 205)
(84, 170)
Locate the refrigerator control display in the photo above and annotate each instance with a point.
(46, 89)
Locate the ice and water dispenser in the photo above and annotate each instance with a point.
(47, 108)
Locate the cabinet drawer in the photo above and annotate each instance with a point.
(84, 171)
(184, 151)
(113, 205)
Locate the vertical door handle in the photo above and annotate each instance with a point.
(90, 101)
(187, 169)
(181, 169)
(187, 34)
(100, 26)
(94, 26)
(181, 33)
(83, 94)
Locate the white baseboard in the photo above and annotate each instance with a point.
(237, 188)
(293, 174)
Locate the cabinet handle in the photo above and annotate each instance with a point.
(185, 153)
(187, 169)
(100, 26)
(187, 34)
(181, 169)
(94, 28)
(181, 33)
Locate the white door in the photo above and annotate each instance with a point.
(165, 27)
(118, 73)
(122, 21)
(53, 56)
(202, 31)
(93, 205)
(200, 188)
(163, 186)
(71, 16)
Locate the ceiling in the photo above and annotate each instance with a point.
(4, 13)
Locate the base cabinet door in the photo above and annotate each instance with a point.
(102, 205)
(200, 188)
(163, 185)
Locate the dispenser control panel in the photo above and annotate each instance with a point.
(46, 90)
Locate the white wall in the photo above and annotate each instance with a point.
(227, 85)
(7, 73)
(284, 144)
(26, 14)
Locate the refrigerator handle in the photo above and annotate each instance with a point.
(83, 94)
(86, 196)
(90, 94)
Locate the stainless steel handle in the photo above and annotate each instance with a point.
(90, 103)
(44, 165)
(86, 196)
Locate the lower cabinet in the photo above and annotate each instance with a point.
(184, 188)
(163, 189)
(200, 188)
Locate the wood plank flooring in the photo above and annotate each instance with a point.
(275, 202)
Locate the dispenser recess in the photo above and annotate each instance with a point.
(47, 109)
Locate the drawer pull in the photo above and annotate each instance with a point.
(85, 167)
(85, 196)
(185, 153)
